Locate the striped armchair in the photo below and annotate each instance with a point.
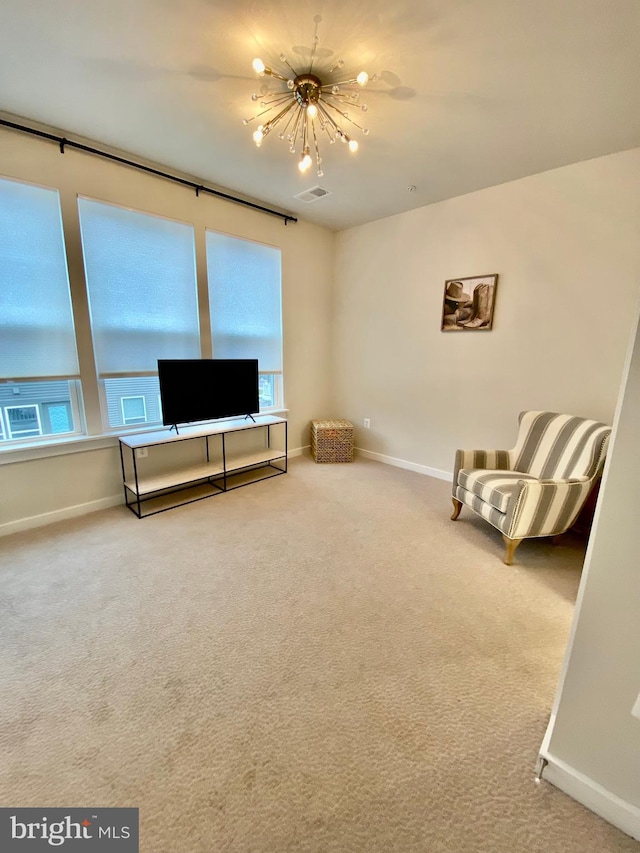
(539, 487)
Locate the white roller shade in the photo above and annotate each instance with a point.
(36, 322)
(245, 300)
(141, 280)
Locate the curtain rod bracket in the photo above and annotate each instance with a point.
(63, 142)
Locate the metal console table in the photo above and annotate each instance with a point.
(223, 456)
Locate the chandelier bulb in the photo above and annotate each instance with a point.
(283, 58)
(258, 66)
(362, 79)
(312, 110)
(353, 145)
(305, 161)
(292, 149)
(319, 173)
(364, 108)
(335, 89)
(245, 121)
(291, 84)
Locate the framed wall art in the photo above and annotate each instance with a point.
(468, 303)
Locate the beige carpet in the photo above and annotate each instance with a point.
(319, 662)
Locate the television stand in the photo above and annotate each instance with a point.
(161, 471)
(250, 416)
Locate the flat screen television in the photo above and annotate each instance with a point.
(203, 389)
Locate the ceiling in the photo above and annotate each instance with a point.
(471, 93)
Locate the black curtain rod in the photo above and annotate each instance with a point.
(63, 142)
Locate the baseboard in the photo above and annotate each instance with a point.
(104, 503)
(59, 515)
(409, 466)
(612, 808)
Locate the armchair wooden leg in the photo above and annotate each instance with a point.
(457, 506)
(511, 544)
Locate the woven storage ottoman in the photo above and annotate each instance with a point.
(332, 441)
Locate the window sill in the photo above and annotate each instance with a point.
(84, 443)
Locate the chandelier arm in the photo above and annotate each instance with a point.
(350, 120)
(289, 66)
(277, 98)
(315, 144)
(269, 72)
(257, 115)
(340, 83)
(343, 98)
(268, 108)
(290, 120)
(315, 44)
(329, 120)
(274, 121)
(297, 127)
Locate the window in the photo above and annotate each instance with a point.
(144, 389)
(245, 304)
(141, 281)
(140, 275)
(23, 421)
(56, 404)
(133, 410)
(38, 360)
(58, 416)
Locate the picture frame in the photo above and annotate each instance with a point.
(468, 303)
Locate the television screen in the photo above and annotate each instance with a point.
(207, 388)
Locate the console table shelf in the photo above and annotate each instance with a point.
(219, 445)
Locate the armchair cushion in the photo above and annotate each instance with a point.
(494, 487)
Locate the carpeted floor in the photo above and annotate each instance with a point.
(320, 662)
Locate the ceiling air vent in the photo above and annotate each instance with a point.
(312, 195)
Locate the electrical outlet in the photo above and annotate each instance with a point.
(367, 423)
(142, 452)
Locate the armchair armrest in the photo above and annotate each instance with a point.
(545, 507)
(491, 460)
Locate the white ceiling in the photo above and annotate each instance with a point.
(471, 93)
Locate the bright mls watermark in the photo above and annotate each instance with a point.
(74, 830)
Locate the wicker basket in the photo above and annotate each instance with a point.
(332, 441)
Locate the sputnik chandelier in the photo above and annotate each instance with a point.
(309, 108)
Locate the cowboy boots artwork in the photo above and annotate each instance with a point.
(481, 308)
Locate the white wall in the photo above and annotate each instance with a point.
(593, 743)
(565, 245)
(61, 485)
